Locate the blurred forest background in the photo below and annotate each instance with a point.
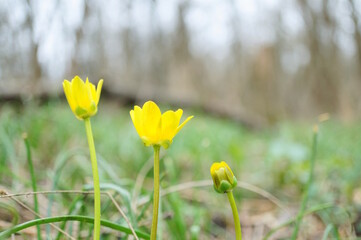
(255, 61)
(271, 64)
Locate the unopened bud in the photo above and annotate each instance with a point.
(223, 178)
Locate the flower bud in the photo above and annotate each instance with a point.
(83, 97)
(223, 178)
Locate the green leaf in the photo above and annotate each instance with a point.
(7, 233)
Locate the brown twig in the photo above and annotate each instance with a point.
(206, 183)
(122, 213)
(43, 193)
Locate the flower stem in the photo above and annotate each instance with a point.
(93, 159)
(153, 233)
(237, 224)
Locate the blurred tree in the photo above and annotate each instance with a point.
(35, 72)
(304, 59)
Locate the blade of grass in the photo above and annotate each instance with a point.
(312, 210)
(23, 205)
(309, 183)
(72, 208)
(139, 183)
(326, 217)
(107, 169)
(9, 154)
(60, 162)
(90, 220)
(33, 180)
(13, 211)
(176, 223)
(82, 225)
(123, 214)
(195, 229)
(4, 194)
(327, 231)
(122, 192)
(145, 207)
(335, 232)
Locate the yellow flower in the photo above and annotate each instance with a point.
(82, 97)
(155, 128)
(223, 178)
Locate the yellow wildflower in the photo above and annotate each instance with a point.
(155, 128)
(223, 178)
(82, 97)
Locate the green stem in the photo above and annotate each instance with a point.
(153, 233)
(308, 186)
(7, 233)
(237, 224)
(95, 178)
(33, 180)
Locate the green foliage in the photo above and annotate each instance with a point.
(275, 159)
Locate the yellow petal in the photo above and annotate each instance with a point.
(214, 167)
(217, 166)
(68, 94)
(151, 116)
(169, 124)
(91, 107)
(230, 173)
(80, 93)
(99, 89)
(179, 113)
(91, 89)
(136, 116)
(182, 125)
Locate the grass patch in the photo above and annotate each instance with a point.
(275, 159)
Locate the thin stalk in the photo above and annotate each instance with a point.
(237, 224)
(33, 180)
(153, 233)
(78, 218)
(308, 186)
(95, 178)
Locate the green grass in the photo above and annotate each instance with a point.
(275, 159)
